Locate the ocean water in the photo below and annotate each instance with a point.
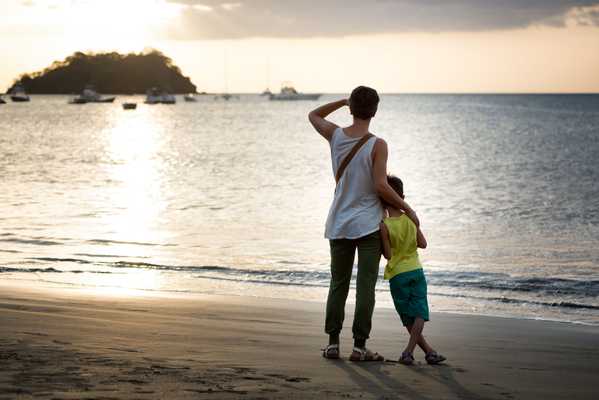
(231, 197)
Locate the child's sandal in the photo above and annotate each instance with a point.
(406, 358)
(433, 358)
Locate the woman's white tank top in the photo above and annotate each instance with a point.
(356, 210)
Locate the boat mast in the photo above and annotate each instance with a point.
(226, 72)
(267, 73)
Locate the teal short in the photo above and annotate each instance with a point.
(408, 290)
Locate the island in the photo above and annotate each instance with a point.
(109, 73)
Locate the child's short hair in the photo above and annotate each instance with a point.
(363, 102)
(397, 185)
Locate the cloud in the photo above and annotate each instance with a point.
(217, 19)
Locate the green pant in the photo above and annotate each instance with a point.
(342, 262)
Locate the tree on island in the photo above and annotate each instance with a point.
(110, 73)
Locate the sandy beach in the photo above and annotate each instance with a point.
(73, 344)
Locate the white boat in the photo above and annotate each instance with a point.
(89, 95)
(2, 101)
(18, 95)
(266, 92)
(288, 93)
(157, 96)
(190, 98)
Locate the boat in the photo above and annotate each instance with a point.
(190, 98)
(77, 100)
(18, 95)
(89, 95)
(2, 101)
(288, 93)
(129, 106)
(266, 92)
(157, 96)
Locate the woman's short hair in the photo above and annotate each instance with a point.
(363, 102)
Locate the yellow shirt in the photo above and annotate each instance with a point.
(404, 253)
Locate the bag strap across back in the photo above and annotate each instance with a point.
(351, 155)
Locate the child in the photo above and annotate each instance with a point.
(401, 238)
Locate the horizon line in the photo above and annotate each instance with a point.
(202, 93)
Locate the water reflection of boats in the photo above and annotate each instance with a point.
(157, 96)
(190, 98)
(288, 93)
(89, 95)
(18, 95)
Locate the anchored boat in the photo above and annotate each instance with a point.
(190, 98)
(18, 95)
(157, 96)
(288, 93)
(89, 95)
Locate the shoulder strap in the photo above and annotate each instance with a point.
(351, 155)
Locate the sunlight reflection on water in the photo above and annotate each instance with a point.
(157, 195)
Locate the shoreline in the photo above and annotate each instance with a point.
(63, 343)
(166, 293)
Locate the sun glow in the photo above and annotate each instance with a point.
(134, 144)
(116, 25)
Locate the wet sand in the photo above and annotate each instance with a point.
(73, 344)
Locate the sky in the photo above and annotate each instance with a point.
(436, 46)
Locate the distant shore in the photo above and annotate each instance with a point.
(72, 343)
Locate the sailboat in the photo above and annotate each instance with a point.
(226, 95)
(267, 91)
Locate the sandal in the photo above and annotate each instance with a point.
(406, 358)
(433, 358)
(331, 352)
(365, 355)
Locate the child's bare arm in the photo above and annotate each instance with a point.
(385, 240)
(420, 239)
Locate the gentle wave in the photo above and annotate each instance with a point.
(562, 304)
(503, 299)
(484, 281)
(51, 259)
(37, 242)
(52, 241)
(505, 282)
(106, 241)
(48, 270)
